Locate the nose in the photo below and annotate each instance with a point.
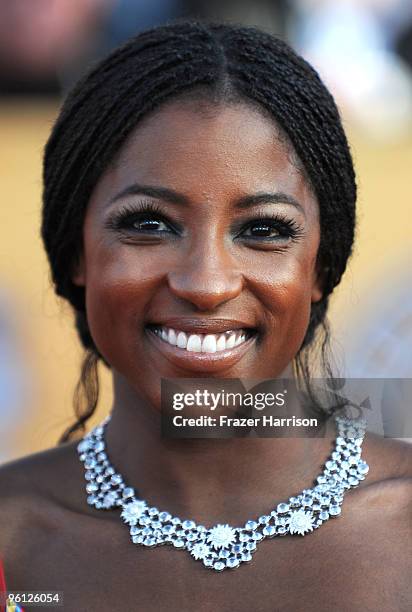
(207, 277)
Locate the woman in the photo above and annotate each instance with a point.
(198, 185)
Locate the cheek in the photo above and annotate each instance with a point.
(284, 287)
(118, 288)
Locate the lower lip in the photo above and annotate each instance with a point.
(201, 362)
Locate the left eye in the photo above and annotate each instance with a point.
(147, 223)
(263, 230)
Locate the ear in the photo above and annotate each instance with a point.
(317, 289)
(78, 275)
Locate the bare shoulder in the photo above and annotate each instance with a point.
(388, 486)
(34, 486)
(36, 473)
(388, 458)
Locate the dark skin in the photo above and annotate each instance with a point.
(207, 268)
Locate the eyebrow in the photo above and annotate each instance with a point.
(174, 197)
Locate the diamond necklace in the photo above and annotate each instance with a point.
(222, 546)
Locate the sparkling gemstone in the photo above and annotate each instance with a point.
(294, 501)
(353, 481)
(200, 551)
(91, 487)
(363, 467)
(137, 539)
(251, 546)
(251, 525)
(90, 463)
(188, 524)
(169, 529)
(224, 554)
(176, 521)
(269, 531)
(263, 520)
(99, 446)
(244, 537)
(102, 456)
(116, 479)
(208, 562)
(334, 510)
(282, 508)
(91, 499)
(221, 536)
(83, 446)
(324, 515)
(237, 548)
(150, 541)
(156, 524)
(232, 562)
(281, 530)
(246, 556)
(219, 566)
(109, 499)
(179, 543)
(165, 516)
(300, 522)
(257, 536)
(128, 492)
(147, 531)
(153, 511)
(134, 530)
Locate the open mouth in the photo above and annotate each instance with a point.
(202, 343)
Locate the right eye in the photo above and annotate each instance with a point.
(145, 219)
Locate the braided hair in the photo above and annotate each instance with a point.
(224, 63)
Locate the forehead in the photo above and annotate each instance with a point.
(208, 152)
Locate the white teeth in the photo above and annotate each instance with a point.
(221, 343)
(194, 343)
(201, 343)
(209, 344)
(230, 342)
(181, 340)
(172, 338)
(241, 338)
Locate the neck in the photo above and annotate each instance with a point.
(207, 480)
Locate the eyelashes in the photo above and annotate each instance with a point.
(128, 215)
(147, 218)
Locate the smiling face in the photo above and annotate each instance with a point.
(203, 231)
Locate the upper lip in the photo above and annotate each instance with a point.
(202, 326)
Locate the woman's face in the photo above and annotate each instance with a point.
(202, 229)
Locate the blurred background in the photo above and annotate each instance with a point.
(363, 51)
